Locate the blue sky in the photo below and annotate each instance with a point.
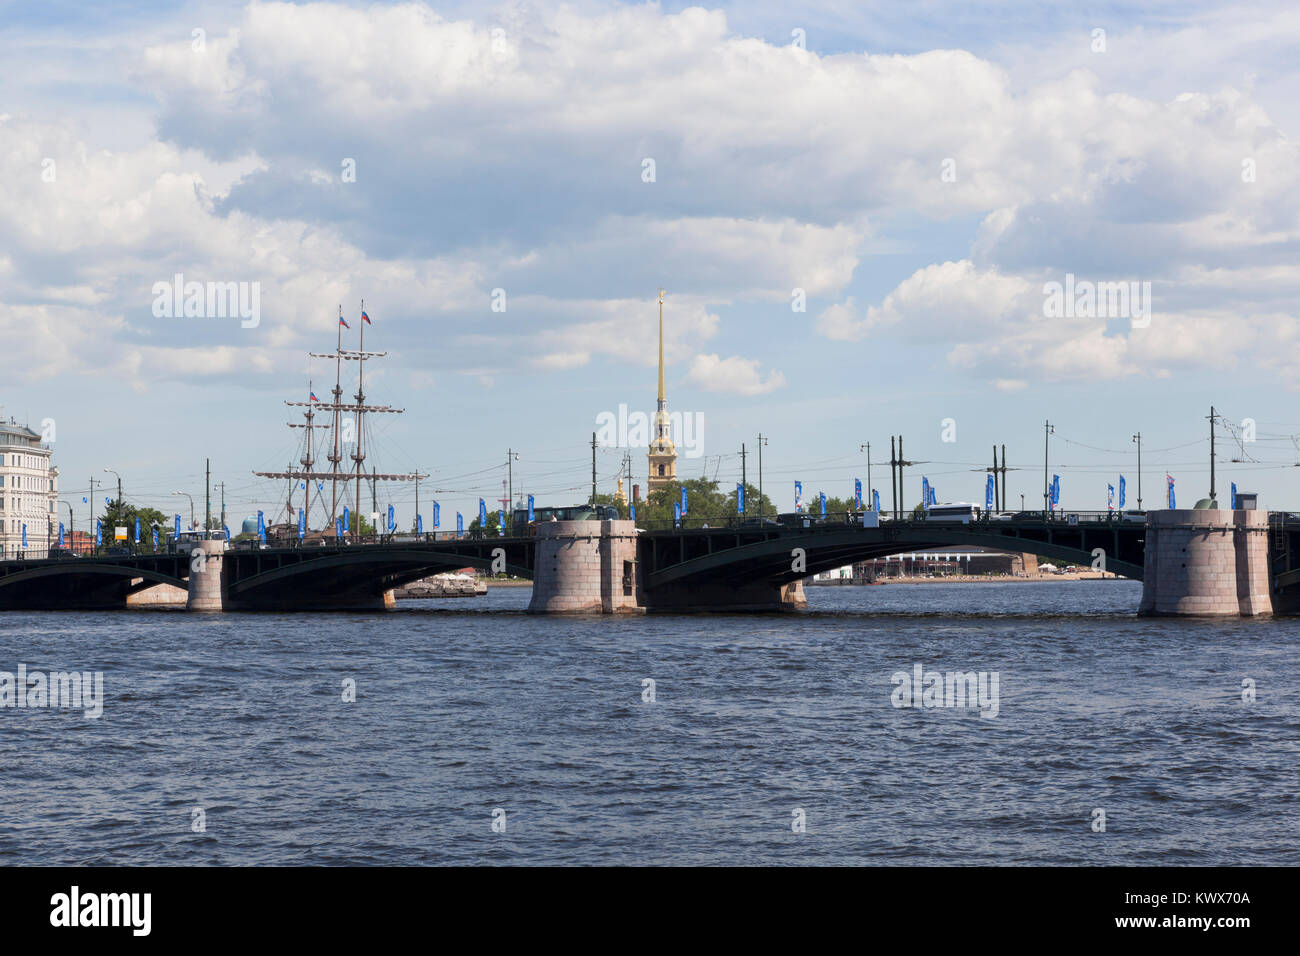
(920, 171)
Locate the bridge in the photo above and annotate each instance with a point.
(614, 566)
(673, 566)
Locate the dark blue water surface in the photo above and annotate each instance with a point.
(468, 705)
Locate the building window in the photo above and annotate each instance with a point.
(661, 471)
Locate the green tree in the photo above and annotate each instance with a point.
(706, 503)
(119, 514)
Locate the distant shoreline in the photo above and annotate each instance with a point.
(972, 579)
(947, 579)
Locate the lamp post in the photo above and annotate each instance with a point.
(871, 502)
(762, 440)
(1048, 429)
(119, 487)
(72, 525)
(1138, 438)
(512, 456)
(191, 497)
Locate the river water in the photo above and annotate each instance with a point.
(758, 724)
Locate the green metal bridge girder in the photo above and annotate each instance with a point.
(771, 558)
(404, 564)
(83, 566)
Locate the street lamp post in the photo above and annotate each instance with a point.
(1138, 438)
(119, 487)
(1048, 429)
(871, 502)
(762, 440)
(512, 456)
(191, 497)
(72, 524)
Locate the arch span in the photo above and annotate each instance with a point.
(381, 569)
(771, 559)
(70, 569)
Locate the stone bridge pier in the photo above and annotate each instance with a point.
(207, 591)
(1209, 562)
(598, 567)
(584, 567)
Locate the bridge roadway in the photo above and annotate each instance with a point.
(673, 563)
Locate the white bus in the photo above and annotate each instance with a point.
(960, 512)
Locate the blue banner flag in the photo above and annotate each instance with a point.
(392, 521)
(99, 532)
(501, 522)
(60, 534)
(988, 494)
(631, 508)
(1234, 499)
(1169, 480)
(875, 499)
(798, 496)
(677, 513)
(934, 496)
(261, 527)
(302, 523)
(532, 516)
(482, 514)
(1110, 497)
(460, 522)
(137, 530)
(1121, 492)
(338, 527)
(24, 535)
(683, 500)
(347, 521)
(437, 516)
(740, 498)
(857, 494)
(1056, 490)
(925, 493)
(178, 526)
(419, 524)
(225, 529)
(823, 500)
(155, 536)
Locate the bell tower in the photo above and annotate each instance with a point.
(662, 454)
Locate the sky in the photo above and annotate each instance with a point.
(858, 211)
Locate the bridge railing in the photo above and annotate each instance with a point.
(838, 520)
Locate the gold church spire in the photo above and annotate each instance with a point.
(662, 453)
(663, 399)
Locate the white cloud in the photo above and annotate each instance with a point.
(739, 376)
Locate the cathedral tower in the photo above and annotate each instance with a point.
(662, 453)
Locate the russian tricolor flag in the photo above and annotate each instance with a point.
(312, 397)
(344, 322)
(365, 318)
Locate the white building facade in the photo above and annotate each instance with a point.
(29, 493)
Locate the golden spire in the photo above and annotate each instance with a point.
(662, 398)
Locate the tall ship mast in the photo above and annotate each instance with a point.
(336, 440)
